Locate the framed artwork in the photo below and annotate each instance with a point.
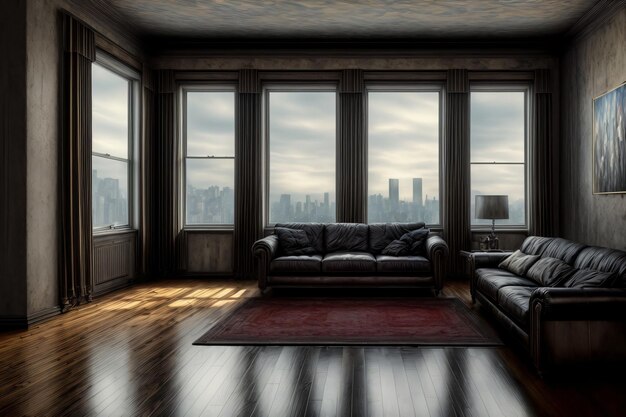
(609, 142)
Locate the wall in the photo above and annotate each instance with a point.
(30, 35)
(592, 65)
(12, 160)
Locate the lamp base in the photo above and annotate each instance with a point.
(492, 242)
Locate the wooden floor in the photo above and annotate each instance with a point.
(130, 353)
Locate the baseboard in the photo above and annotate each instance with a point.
(23, 322)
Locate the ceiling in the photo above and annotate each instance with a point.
(356, 19)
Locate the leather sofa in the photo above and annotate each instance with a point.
(350, 254)
(559, 321)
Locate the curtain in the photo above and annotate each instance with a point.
(146, 183)
(248, 174)
(352, 150)
(75, 277)
(456, 192)
(165, 199)
(541, 155)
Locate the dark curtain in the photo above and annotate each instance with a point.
(248, 174)
(165, 200)
(352, 150)
(456, 170)
(146, 178)
(79, 52)
(541, 156)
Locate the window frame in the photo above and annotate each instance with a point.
(402, 87)
(203, 87)
(294, 86)
(505, 87)
(133, 77)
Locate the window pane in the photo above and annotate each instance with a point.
(500, 179)
(110, 112)
(302, 134)
(403, 157)
(110, 192)
(210, 123)
(210, 191)
(497, 126)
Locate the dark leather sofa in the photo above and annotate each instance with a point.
(350, 254)
(559, 324)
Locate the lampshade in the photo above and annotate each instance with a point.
(492, 206)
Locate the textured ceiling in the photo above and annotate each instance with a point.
(364, 19)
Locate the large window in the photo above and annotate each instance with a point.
(113, 129)
(498, 150)
(301, 156)
(209, 156)
(403, 156)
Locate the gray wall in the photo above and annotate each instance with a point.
(591, 66)
(12, 159)
(30, 35)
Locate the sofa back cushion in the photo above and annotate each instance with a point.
(552, 247)
(382, 234)
(293, 242)
(604, 260)
(550, 272)
(589, 278)
(519, 263)
(314, 231)
(411, 243)
(349, 237)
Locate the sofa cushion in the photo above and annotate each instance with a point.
(314, 231)
(515, 302)
(293, 242)
(550, 272)
(518, 263)
(551, 247)
(410, 243)
(382, 234)
(585, 278)
(301, 264)
(346, 237)
(402, 264)
(348, 262)
(490, 280)
(604, 260)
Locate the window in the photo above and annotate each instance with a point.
(301, 157)
(498, 150)
(403, 156)
(113, 129)
(209, 156)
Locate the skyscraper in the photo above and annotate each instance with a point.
(394, 193)
(417, 192)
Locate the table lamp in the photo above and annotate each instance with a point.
(492, 207)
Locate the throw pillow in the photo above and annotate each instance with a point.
(519, 263)
(550, 272)
(591, 278)
(410, 243)
(293, 242)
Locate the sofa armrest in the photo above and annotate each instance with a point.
(488, 259)
(577, 326)
(437, 251)
(264, 251)
(579, 303)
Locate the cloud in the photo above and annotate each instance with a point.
(109, 112)
(497, 126)
(403, 143)
(210, 123)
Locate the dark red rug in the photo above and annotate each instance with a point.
(353, 321)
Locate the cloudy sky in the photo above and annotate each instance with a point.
(403, 130)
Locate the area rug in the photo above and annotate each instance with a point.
(351, 321)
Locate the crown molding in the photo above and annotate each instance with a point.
(598, 15)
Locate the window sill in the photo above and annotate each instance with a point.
(109, 232)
